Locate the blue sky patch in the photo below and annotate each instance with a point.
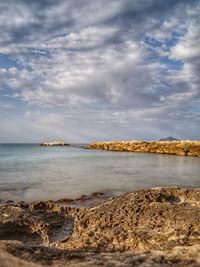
(7, 62)
(172, 64)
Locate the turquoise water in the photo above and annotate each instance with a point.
(30, 172)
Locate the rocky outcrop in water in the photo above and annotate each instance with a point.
(180, 148)
(154, 227)
(53, 143)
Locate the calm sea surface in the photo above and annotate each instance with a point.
(30, 172)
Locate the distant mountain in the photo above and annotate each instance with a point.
(169, 138)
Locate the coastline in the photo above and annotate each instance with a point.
(150, 227)
(180, 148)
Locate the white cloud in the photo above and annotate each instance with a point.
(87, 63)
(88, 37)
(188, 47)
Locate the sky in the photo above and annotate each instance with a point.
(85, 70)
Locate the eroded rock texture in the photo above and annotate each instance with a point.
(154, 227)
(181, 148)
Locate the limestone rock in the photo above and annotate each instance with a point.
(180, 148)
(154, 227)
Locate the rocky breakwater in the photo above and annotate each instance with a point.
(181, 148)
(153, 227)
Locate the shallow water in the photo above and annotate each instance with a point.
(30, 172)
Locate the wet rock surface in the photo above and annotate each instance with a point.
(180, 148)
(154, 227)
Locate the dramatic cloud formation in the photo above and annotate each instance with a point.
(82, 70)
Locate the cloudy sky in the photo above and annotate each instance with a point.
(84, 70)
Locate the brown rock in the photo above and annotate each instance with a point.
(154, 227)
(180, 148)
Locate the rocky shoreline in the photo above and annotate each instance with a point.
(152, 227)
(180, 148)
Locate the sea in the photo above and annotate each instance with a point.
(30, 172)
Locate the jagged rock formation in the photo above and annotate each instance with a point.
(154, 227)
(181, 148)
(53, 143)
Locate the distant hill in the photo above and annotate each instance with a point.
(169, 138)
